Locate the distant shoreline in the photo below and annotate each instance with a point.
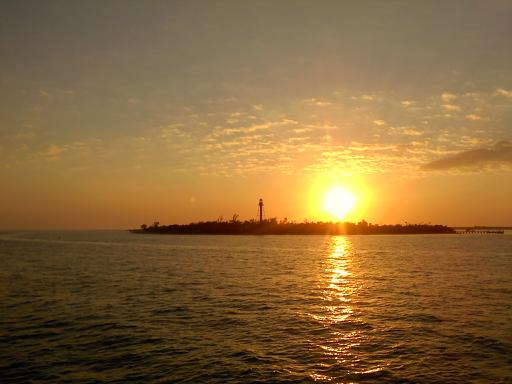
(272, 227)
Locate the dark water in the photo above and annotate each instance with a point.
(112, 306)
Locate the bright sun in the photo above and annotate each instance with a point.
(338, 201)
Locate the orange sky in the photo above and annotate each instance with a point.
(117, 114)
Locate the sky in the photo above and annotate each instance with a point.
(118, 113)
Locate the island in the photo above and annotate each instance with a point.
(284, 227)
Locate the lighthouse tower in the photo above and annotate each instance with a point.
(261, 210)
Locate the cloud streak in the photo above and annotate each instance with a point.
(497, 154)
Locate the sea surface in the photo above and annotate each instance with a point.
(110, 306)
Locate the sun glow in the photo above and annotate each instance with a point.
(338, 201)
(334, 196)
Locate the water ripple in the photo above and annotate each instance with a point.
(114, 307)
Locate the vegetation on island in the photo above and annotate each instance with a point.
(284, 227)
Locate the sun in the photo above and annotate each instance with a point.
(338, 201)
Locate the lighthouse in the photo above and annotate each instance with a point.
(261, 210)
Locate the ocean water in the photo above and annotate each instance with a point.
(119, 307)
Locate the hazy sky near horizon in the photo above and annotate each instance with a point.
(115, 113)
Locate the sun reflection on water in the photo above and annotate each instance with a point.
(339, 287)
(336, 284)
(336, 313)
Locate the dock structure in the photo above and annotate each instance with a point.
(480, 232)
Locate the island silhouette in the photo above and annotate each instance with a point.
(274, 227)
(284, 227)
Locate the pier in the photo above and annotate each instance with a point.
(480, 232)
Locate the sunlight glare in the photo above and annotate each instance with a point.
(338, 201)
